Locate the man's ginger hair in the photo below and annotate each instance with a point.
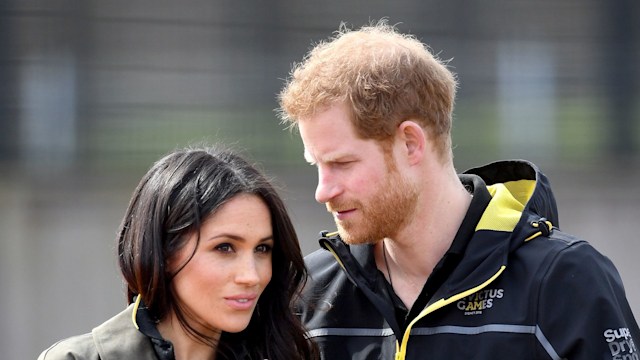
(384, 77)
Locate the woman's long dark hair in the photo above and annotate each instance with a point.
(171, 201)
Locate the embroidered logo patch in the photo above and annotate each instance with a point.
(476, 303)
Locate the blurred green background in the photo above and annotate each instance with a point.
(92, 92)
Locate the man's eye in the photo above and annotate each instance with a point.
(339, 164)
(342, 164)
(224, 248)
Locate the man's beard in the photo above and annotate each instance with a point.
(383, 215)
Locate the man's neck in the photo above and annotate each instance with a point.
(408, 259)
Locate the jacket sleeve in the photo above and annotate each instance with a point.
(582, 309)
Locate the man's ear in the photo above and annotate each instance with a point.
(414, 140)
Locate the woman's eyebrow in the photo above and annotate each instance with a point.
(237, 237)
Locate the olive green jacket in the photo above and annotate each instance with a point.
(115, 339)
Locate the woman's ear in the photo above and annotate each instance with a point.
(414, 139)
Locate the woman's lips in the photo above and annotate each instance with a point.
(241, 302)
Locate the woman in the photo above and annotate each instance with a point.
(212, 264)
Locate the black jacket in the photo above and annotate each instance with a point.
(522, 289)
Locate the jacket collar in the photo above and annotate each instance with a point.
(117, 338)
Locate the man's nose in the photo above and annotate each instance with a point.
(328, 186)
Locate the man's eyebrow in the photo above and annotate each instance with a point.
(329, 158)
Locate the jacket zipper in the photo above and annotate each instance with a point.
(401, 348)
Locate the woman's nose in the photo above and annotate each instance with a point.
(247, 272)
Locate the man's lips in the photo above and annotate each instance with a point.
(343, 214)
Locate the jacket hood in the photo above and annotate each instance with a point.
(522, 208)
(522, 200)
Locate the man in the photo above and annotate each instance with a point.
(427, 263)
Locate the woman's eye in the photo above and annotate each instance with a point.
(264, 248)
(224, 248)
